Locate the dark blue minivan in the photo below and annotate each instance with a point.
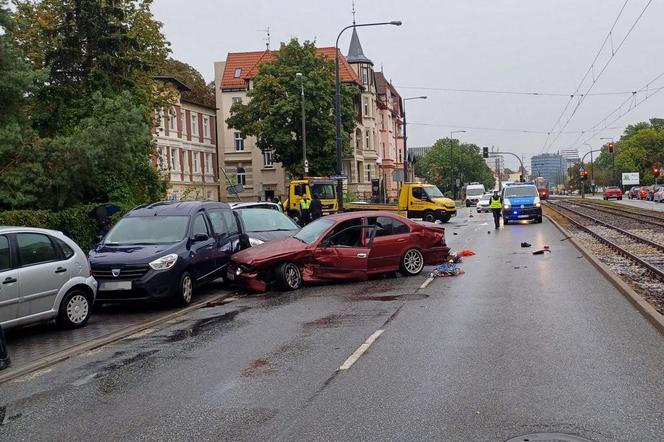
(164, 250)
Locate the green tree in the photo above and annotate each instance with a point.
(16, 137)
(442, 167)
(199, 91)
(273, 115)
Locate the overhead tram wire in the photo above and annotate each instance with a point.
(595, 79)
(588, 71)
(496, 129)
(499, 92)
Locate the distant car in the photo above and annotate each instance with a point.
(543, 193)
(612, 192)
(633, 193)
(263, 225)
(257, 205)
(644, 192)
(659, 195)
(164, 251)
(44, 275)
(652, 190)
(346, 247)
(483, 203)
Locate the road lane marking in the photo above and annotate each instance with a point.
(426, 283)
(361, 350)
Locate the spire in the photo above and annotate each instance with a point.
(355, 52)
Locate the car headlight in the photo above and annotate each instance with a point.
(507, 204)
(165, 262)
(255, 241)
(538, 202)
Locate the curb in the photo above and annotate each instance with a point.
(647, 310)
(104, 340)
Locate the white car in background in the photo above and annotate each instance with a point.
(44, 275)
(483, 203)
(658, 197)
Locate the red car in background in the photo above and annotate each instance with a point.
(644, 192)
(612, 192)
(345, 246)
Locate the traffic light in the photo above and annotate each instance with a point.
(656, 171)
(485, 152)
(584, 175)
(610, 147)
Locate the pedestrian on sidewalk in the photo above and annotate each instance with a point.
(4, 355)
(496, 206)
(305, 214)
(316, 208)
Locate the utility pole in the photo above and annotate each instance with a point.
(500, 175)
(304, 127)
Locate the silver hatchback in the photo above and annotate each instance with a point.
(43, 275)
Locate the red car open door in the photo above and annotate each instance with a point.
(344, 252)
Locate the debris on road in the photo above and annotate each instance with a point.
(447, 269)
(525, 244)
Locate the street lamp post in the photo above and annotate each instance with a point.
(305, 163)
(405, 137)
(454, 189)
(337, 105)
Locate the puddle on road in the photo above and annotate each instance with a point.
(406, 297)
(203, 325)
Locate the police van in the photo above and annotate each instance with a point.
(521, 201)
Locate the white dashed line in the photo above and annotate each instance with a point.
(426, 283)
(361, 350)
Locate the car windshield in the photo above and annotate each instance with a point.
(147, 230)
(473, 192)
(312, 232)
(612, 188)
(432, 192)
(521, 191)
(486, 197)
(324, 191)
(265, 220)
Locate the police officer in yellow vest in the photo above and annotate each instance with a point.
(496, 206)
(305, 213)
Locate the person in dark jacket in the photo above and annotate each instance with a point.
(316, 208)
(496, 206)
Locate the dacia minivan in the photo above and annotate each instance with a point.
(164, 251)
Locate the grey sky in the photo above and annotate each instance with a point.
(506, 45)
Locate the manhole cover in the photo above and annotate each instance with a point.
(548, 437)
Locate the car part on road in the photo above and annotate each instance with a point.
(75, 309)
(525, 244)
(548, 437)
(447, 269)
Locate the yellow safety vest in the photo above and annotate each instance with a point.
(495, 203)
(304, 204)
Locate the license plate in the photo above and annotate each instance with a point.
(114, 285)
(523, 216)
(230, 276)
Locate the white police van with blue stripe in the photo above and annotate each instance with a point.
(521, 201)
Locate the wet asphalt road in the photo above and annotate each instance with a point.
(518, 344)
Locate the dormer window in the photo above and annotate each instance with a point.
(238, 72)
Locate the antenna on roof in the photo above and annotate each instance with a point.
(267, 37)
(353, 12)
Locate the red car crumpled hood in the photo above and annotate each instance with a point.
(266, 253)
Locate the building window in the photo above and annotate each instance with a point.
(365, 101)
(241, 176)
(194, 123)
(369, 172)
(208, 163)
(182, 123)
(382, 147)
(171, 119)
(268, 158)
(175, 159)
(382, 121)
(239, 142)
(185, 161)
(197, 167)
(365, 75)
(367, 140)
(161, 158)
(206, 127)
(209, 195)
(360, 172)
(238, 72)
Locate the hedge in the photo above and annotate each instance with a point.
(75, 222)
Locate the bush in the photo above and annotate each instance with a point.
(75, 222)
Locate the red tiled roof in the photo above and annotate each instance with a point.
(249, 62)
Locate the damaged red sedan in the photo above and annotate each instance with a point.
(346, 246)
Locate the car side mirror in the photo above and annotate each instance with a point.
(201, 237)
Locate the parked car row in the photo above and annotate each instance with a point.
(647, 193)
(164, 251)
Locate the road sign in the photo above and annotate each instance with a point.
(581, 168)
(630, 178)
